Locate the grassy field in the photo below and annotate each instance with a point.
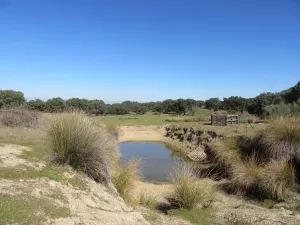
(202, 115)
(134, 120)
(199, 121)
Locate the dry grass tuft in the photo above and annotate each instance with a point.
(225, 152)
(246, 175)
(147, 200)
(19, 117)
(77, 141)
(276, 178)
(124, 179)
(282, 137)
(189, 191)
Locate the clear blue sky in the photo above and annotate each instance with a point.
(149, 49)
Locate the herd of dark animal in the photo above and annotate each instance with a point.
(190, 134)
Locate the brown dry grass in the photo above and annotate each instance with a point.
(19, 117)
(281, 138)
(85, 146)
(124, 179)
(276, 178)
(189, 191)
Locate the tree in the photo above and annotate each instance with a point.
(213, 103)
(96, 107)
(261, 101)
(10, 98)
(293, 94)
(180, 106)
(235, 103)
(77, 103)
(55, 105)
(200, 103)
(117, 109)
(168, 106)
(37, 105)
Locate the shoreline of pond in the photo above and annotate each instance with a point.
(152, 134)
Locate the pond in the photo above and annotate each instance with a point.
(157, 161)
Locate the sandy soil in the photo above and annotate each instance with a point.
(95, 204)
(9, 153)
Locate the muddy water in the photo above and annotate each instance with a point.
(157, 161)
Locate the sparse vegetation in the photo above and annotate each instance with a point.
(51, 172)
(23, 209)
(196, 216)
(82, 144)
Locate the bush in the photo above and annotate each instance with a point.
(281, 139)
(79, 142)
(189, 191)
(18, 117)
(124, 178)
(281, 110)
(276, 178)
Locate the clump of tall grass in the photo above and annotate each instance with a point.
(82, 144)
(189, 191)
(124, 178)
(147, 200)
(276, 178)
(281, 139)
(252, 174)
(225, 152)
(246, 175)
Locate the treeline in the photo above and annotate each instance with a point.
(284, 102)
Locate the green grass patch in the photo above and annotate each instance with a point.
(196, 216)
(133, 119)
(51, 172)
(28, 210)
(269, 203)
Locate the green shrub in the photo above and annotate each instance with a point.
(124, 178)
(189, 191)
(79, 142)
(281, 110)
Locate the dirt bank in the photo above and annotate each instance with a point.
(33, 193)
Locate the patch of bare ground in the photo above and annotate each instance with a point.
(10, 156)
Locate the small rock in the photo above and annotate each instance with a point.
(21, 180)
